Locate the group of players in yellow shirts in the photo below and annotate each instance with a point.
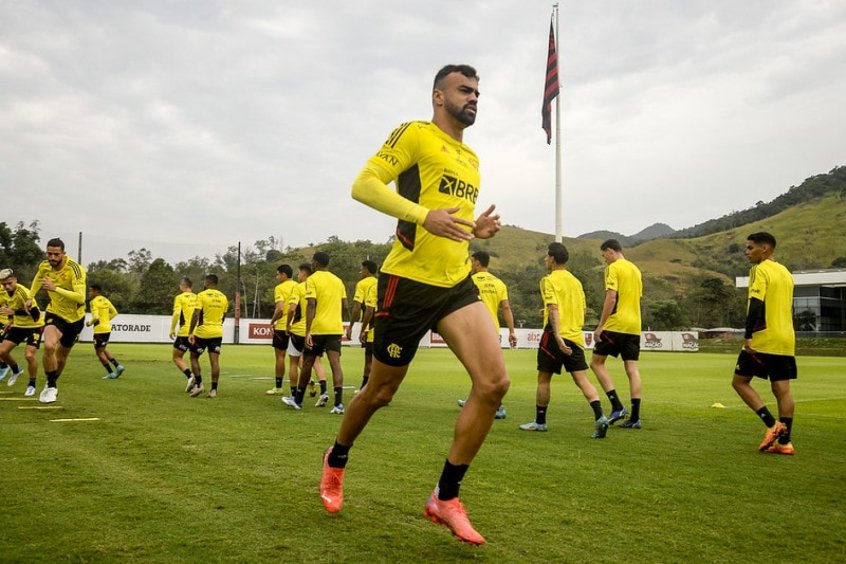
(57, 328)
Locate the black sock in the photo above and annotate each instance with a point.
(300, 394)
(450, 480)
(784, 438)
(766, 416)
(364, 380)
(540, 414)
(15, 368)
(339, 395)
(52, 376)
(115, 362)
(596, 405)
(616, 404)
(338, 455)
(32, 382)
(635, 416)
(198, 380)
(3, 365)
(214, 385)
(323, 387)
(278, 382)
(107, 367)
(187, 372)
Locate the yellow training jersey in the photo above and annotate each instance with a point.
(16, 300)
(298, 319)
(183, 309)
(624, 277)
(492, 292)
(329, 291)
(370, 301)
(281, 294)
(68, 301)
(772, 283)
(434, 170)
(362, 287)
(562, 289)
(102, 313)
(212, 305)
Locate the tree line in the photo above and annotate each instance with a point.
(142, 284)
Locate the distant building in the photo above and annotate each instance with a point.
(819, 299)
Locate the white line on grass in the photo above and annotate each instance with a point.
(80, 419)
(41, 407)
(17, 399)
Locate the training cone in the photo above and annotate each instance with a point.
(718, 405)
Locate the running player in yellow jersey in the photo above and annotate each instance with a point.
(770, 343)
(494, 294)
(563, 342)
(206, 332)
(4, 302)
(21, 327)
(618, 331)
(425, 284)
(326, 299)
(279, 323)
(362, 288)
(183, 310)
(64, 280)
(102, 313)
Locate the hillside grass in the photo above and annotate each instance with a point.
(160, 477)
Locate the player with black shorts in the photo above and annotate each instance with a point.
(618, 331)
(770, 343)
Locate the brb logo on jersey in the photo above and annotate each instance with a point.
(458, 188)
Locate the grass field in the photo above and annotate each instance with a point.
(161, 477)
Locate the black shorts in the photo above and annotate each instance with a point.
(70, 331)
(297, 345)
(280, 340)
(551, 358)
(763, 365)
(101, 340)
(18, 335)
(181, 344)
(611, 343)
(200, 345)
(368, 348)
(322, 343)
(407, 309)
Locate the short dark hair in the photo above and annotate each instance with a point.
(321, 258)
(212, 279)
(185, 281)
(307, 267)
(370, 266)
(95, 287)
(466, 70)
(286, 270)
(56, 242)
(483, 258)
(558, 252)
(762, 237)
(612, 244)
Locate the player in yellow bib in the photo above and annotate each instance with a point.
(562, 344)
(618, 331)
(279, 323)
(21, 326)
(770, 342)
(64, 280)
(326, 300)
(362, 288)
(183, 310)
(494, 294)
(425, 284)
(102, 313)
(206, 332)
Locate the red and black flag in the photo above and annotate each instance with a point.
(552, 87)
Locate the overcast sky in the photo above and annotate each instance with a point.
(184, 127)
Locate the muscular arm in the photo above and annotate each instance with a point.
(555, 325)
(280, 311)
(371, 189)
(509, 321)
